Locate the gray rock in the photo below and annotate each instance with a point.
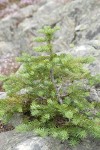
(79, 23)
(94, 95)
(28, 141)
(3, 95)
(86, 15)
(87, 50)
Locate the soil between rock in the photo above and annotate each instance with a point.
(5, 127)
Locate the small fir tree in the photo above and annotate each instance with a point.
(54, 101)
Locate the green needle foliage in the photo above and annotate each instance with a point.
(54, 100)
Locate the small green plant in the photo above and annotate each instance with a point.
(54, 99)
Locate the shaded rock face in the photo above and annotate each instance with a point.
(79, 35)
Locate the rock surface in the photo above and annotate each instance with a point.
(3, 95)
(79, 35)
(78, 19)
(16, 141)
